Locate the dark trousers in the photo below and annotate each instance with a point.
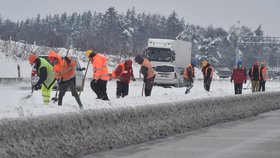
(99, 87)
(63, 86)
(122, 89)
(262, 85)
(207, 84)
(149, 86)
(238, 88)
(189, 85)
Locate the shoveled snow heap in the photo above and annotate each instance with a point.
(77, 134)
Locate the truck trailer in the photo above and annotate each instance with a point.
(168, 51)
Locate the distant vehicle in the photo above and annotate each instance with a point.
(168, 51)
(79, 74)
(223, 73)
(169, 75)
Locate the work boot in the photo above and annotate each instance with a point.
(59, 102)
(79, 102)
(105, 98)
(118, 96)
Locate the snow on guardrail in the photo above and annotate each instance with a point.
(76, 134)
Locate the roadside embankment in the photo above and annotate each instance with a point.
(76, 134)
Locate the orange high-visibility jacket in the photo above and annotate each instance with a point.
(100, 70)
(119, 70)
(188, 69)
(206, 73)
(67, 70)
(263, 73)
(151, 72)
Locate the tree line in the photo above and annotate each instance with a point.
(127, 34)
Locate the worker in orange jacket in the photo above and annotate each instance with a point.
(64, 69)
(263, 76)
(189, 75)
(207, 71)
(123, 73)
(148, 72)
(100, 74)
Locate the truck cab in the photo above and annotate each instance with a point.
(168, 51)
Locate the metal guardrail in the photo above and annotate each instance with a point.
(10, 80)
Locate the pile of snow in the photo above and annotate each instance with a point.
(76, 134)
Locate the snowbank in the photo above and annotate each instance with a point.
(79, 133)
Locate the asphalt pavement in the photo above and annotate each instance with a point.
(255, 137)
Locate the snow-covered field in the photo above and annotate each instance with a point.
(12, 104)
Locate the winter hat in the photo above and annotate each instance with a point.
(32, 58)
(128, 63)
(194, 62)
(239, 62)
(204, 63)
(90, 53)
(139, 59)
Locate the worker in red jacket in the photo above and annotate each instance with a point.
(123, 73)
(239, 76)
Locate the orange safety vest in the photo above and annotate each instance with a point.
(206, 70)
(189, 67)
(114, 72)
(151, 72)
(100, 70)
(264, 76)
(62, 69)
(125, 74)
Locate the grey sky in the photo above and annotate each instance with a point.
(219, 13)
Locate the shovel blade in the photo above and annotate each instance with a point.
(54, 99)
(27, 97)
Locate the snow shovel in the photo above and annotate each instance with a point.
(143, 87)
(29, 95)
(55, 99)
(83, 82)
(247, 87)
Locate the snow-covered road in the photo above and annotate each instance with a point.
(13, 106)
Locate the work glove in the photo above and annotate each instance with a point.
(133, 79)
(245, 81)
(68, 60)
(36, 87)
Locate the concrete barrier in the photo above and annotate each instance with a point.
(76, 134)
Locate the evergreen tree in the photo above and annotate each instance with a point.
(174, 26)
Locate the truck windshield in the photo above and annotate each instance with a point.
(155, 54)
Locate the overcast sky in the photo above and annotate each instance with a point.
(218, 13)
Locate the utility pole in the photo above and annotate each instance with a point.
(238, 55)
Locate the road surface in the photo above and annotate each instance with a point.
(256, 137)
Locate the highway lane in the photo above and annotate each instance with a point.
(255, 137)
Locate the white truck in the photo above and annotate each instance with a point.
(169, 58)
(164, 51)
